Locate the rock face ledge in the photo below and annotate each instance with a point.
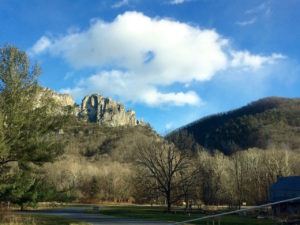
(98, 109)
(62, 100)
(94, 108)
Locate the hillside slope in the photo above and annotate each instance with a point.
(97, 164)
(266, 122)
(100, 140)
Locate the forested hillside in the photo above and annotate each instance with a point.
(97, 164)
(266, 122)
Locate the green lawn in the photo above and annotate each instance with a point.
(38, 220)
(159, 213)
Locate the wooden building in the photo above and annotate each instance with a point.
(286, 188)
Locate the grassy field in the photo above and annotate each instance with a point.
(159, 213)
(38, 220)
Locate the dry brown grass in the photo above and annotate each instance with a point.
(7, 218)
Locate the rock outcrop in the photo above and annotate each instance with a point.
(98, 109)
(94, 108)
(62, 100)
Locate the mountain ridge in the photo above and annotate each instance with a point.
(232, 110)
(271, 120)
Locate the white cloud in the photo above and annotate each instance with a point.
(261, 7)
(176, 2)
(116, 83)
(256, 12)
(246, 22)
(154, 97)
(146, 55)
(180, 53)
(41, 45)
(245, 60)
(169, 126)
(120, 4)
(68, 75)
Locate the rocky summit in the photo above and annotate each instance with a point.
(94, 108)
(98, 109)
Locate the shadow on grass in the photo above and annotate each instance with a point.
(160, 214)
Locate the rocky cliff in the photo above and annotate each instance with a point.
(101, 110)
(62, 100)
(93, 108)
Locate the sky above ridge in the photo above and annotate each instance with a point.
(172, 61)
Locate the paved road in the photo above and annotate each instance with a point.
(79, 213)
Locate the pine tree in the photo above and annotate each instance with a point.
(26, 127)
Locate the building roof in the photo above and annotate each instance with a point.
(291, 183)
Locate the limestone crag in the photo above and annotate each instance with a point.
(101, 110)
(62, 100)
(94, 108)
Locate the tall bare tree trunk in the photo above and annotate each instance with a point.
(169, 200)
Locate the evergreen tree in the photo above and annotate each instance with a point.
(27, 125)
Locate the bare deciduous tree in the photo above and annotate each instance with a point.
(163, 162)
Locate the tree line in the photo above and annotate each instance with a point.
(209, 178)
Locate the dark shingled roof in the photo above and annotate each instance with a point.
(287, 183)
(285, 188)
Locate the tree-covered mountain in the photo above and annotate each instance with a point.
(263, 123)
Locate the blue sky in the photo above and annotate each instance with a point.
(172, 61)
